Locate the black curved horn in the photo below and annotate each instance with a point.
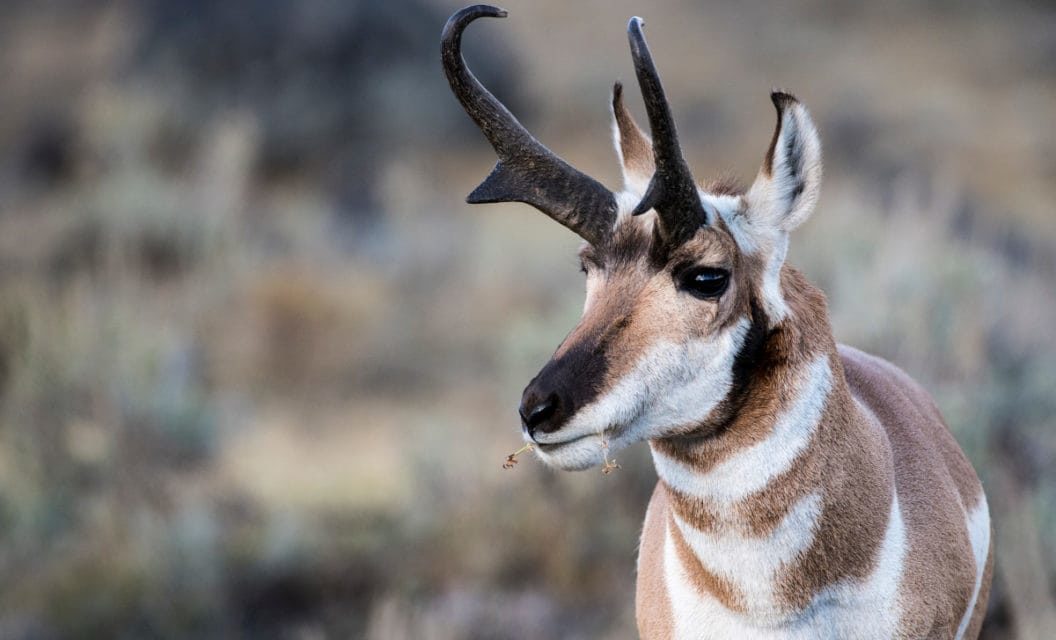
(672, 191)
(527, 171)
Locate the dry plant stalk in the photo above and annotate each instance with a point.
(610, 465)
(512, 458)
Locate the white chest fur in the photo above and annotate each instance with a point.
(858, 609)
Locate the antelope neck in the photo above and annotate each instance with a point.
(758, 512)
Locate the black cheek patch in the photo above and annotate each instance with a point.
(753, 354)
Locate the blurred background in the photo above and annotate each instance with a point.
(259, 362)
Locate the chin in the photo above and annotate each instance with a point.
(580, 454)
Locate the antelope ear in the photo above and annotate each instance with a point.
(786, 189)
(633, 146)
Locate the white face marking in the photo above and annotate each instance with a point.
(730, 209)
(773, 300)
(594, 279)
(626, 202)
(751, 469)
(752, 564)
(751, 239)
(850, 609)
(671, 386)
(978, 523)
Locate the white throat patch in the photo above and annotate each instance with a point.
(750, 470)
(671, 385)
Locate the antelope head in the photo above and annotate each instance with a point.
(683, 283)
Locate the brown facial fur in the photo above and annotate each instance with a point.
(634, 302)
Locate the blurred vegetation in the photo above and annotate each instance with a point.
(258, 362)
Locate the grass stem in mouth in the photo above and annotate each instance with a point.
(610, 465)
(512, 458)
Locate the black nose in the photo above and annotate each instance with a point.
(536, 413)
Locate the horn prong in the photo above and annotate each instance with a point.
(527, 171)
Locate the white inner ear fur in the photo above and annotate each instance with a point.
(770, 243)
(635, 181)
(638, 170)
(783, 198)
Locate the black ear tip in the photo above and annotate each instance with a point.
(782, 99)
(617, 92)
(635, 25)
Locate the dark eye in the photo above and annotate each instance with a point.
(704, 282)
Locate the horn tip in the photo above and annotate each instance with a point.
(482, 195)
(475, 11)
(487, 10)
(653, 196)
(648, 201)
(495, 188)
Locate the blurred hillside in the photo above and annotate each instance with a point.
(259, 361)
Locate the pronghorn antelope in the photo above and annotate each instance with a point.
(806, 489)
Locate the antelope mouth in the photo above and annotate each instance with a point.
(583, 451)
(604, 435)
(547, 447)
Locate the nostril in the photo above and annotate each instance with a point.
(536, 414)
(542, 412)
